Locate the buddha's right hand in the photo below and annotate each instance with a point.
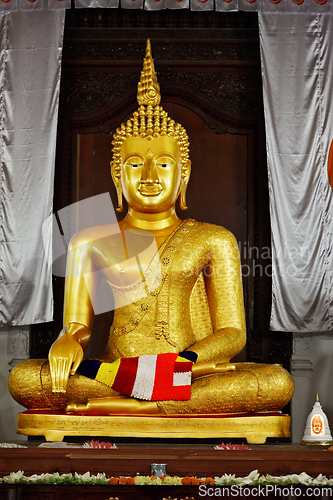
(208, 368)
(65, 357)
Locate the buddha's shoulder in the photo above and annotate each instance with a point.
(214, 233)
(92, 234)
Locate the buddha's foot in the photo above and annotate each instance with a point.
(73, 408)
(106, 406)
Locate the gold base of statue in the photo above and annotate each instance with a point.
(254, 427)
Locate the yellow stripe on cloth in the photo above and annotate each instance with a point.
(183, 360)
(107, 372)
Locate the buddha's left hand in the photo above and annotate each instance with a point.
(203, 369)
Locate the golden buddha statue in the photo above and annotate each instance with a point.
(192, 304)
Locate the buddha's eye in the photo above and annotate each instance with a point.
(164, 165)
(134, 165)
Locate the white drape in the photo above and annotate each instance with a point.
(297, 67)
(30, 59)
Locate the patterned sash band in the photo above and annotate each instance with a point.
(160, 377)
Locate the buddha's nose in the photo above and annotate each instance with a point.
(149, 174)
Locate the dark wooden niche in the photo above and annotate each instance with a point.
(208, 66)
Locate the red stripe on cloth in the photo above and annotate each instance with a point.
(163, 387)
(126, 375)
(183, 366)
(181, 393)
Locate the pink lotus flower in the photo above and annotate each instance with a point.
(231, 446)
(97, 444)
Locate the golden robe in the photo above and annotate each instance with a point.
(190, 298)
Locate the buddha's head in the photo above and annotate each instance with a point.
(150, 165)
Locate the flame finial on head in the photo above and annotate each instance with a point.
(148, 87)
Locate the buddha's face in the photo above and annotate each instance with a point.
(151, 173)
(317, 425)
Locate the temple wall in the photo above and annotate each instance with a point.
(14, 347)
(312, 371)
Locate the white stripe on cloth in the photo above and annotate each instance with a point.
(182, 379)
(145, 377)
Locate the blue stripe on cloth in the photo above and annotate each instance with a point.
(190, 355)
(89, 368)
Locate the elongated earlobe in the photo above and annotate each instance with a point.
(120, 199)
(183, 187)
(182, 197)
(116, 177)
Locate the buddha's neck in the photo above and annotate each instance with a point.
(163, 221)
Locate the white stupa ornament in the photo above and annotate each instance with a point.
(317, 431)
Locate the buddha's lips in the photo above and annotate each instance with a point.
(150, 189)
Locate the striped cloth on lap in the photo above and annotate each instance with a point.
(153, 377)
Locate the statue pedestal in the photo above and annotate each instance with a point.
(254, 427)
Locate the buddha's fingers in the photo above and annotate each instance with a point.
(204, 369)
(225, 367)
(60, 369)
